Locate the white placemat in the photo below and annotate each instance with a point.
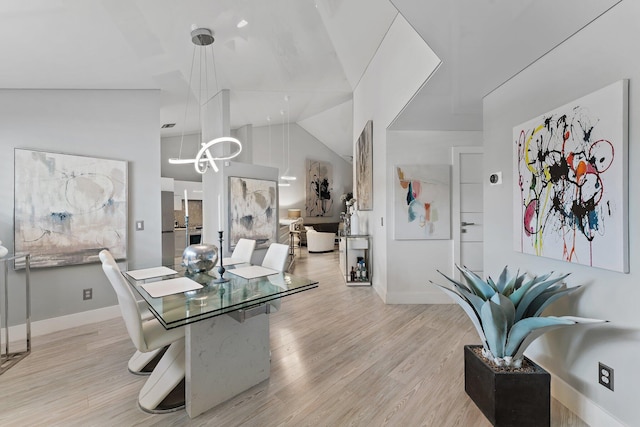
(149, 273)
(252, 271)
(171, 286)
(232, 261)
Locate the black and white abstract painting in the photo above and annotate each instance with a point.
(252, 211)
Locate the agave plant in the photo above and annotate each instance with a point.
(507, 313)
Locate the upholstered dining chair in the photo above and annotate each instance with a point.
(148, 335)
(244, 250)
(276, 256)
(276, 259)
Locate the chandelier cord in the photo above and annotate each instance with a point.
(184, 121)
(288, 137)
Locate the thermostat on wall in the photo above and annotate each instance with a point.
(495, 178)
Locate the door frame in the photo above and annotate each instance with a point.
(455, 202)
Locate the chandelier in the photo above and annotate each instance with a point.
(202, 38)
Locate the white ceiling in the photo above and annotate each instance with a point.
(309, 50)
(315, 51)
(482, 44)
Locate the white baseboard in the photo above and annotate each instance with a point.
(47, 326)
(427, 297)
(580, 405)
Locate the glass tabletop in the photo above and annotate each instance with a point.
(214, 299)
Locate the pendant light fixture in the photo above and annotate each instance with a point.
(203, 37)
(286, 176)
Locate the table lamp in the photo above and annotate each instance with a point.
(293, 213)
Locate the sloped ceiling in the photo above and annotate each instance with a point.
(315, 51)
(482, 44)
(312, 51)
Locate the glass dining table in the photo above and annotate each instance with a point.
(224, 355)
(239, 297)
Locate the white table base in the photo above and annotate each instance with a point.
(223, 359)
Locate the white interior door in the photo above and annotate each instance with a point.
(467, 208)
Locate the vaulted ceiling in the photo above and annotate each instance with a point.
(315, 51)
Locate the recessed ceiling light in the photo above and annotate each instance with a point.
(242, 23)
(168, 125)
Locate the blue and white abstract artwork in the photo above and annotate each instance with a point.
(67, 208)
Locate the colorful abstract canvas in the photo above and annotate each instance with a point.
(570, 181)
(68, 208)
(364, 168)
(422, 202)
(319, 182)
(252, 211)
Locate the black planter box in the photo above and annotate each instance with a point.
(508, 398)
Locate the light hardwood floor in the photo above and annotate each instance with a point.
(340, 357)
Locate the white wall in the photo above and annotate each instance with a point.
(400, 67)
(114, 124)
(598, 55)
(303, 146)
(170, 148)
(419, 259)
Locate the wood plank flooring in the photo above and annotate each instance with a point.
(340, 357)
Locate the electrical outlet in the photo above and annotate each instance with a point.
(87, 294)
(605, 375)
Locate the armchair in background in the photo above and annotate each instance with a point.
(318, 241)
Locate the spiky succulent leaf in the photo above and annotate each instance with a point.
(524, 327)
(455, 282)
(517, 295)
(523, 305)
(473, 299)
(540, 279)
(509, 287)
(495, 327)
(538, 305)
(468, 309)
(491, 283)
(536, 333)
(502, 280)
(519, 280)
(521, 288)
(476, 284)
(507, 306)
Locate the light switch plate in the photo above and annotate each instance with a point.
(139, 225)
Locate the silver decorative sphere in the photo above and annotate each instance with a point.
(200, 258)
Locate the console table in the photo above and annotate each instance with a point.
(7, 357)
(353, 248)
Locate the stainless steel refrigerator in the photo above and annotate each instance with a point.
(168, 222)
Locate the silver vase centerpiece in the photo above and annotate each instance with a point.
(200, 258)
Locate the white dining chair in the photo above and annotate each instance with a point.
(276, 259)
(244, 250)
(148, 335)
(140, 363)
(276, 256)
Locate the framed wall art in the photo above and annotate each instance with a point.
(252, 211)
(319, 182)
(571, 181)
(364, 168)
(67, 208)
(422, 202)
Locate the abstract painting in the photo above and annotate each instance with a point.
(570, 181)
(364, 168)
(68, 208)
(252, 211)
(319, 188)
(422, 202)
